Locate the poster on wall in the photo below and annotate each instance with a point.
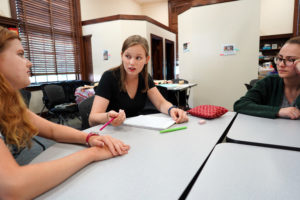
(228, 49)
(186, 47)
(105, 55)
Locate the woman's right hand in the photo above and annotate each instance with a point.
(289, 112)
(117, 148)
(119, 117)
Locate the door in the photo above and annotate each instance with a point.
(170, 59)
(157, 57)
(88, 61)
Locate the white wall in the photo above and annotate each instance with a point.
(276, 17)
(157, 10)
(112, 40)
(92, 9)
(220, 79)
(5, 8)
(153, 29)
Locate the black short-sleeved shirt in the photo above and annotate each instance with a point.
(109, 88)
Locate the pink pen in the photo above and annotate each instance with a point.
(106, 124)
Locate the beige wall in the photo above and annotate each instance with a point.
(5, 8)
(220, 79)
(276, 17)
(112, 40)
(92, 9)
(157, 11)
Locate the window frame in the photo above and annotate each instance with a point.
(78, 31)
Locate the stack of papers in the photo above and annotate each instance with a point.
(150, 122)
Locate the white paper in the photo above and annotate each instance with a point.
(150, 122)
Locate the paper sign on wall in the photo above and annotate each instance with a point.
(228, 49)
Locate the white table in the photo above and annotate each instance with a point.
(177, 88)
(158, 166)
(279, 132)
(235, 172)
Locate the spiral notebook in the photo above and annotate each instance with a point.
(150, 122)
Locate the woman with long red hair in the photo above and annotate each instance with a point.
(18, 125)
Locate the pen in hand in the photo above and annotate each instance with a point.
(106, 123)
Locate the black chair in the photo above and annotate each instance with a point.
(85, 108)
(183, 95)
(55, 101)
(251, 84)
(26, 97)
(149, 108)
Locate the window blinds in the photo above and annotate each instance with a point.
(49, 36)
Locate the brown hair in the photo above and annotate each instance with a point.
(14, 122)
(129, 42)
(294, 40)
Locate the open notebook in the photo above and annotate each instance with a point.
(150, 122)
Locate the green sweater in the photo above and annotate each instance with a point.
(264, 99)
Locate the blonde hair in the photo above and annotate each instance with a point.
(14, 122)
(129, 42)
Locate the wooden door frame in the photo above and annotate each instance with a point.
(156, 37)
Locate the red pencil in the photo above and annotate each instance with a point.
(106, 124)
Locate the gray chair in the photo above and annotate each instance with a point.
(26, 97)
(85, 108)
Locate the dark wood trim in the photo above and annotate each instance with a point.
(13, 10)
(279, 36)
(169, 41)
(157, 57)
(79, 31)
(196, 3)
(296, 18)
(88, 60)
(155, 36)
(4, 21)
(126, 17)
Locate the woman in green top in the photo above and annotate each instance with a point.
(276, 95)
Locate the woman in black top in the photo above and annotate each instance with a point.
(123, 90)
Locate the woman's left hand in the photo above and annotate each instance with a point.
(179, 115)
(116, 147)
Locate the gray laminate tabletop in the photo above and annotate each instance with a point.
(279, 132)
(158, 166)
(237, 171)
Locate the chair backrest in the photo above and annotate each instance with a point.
(26, 96)
(53, 95)
(251, 84)
(85, 108)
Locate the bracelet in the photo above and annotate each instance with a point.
(169, 110)
(88, 137)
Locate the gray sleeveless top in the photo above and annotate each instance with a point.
(14, 151)
(285, 103)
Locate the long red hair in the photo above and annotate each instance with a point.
(14, 122)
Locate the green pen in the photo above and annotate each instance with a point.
(172, 129)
